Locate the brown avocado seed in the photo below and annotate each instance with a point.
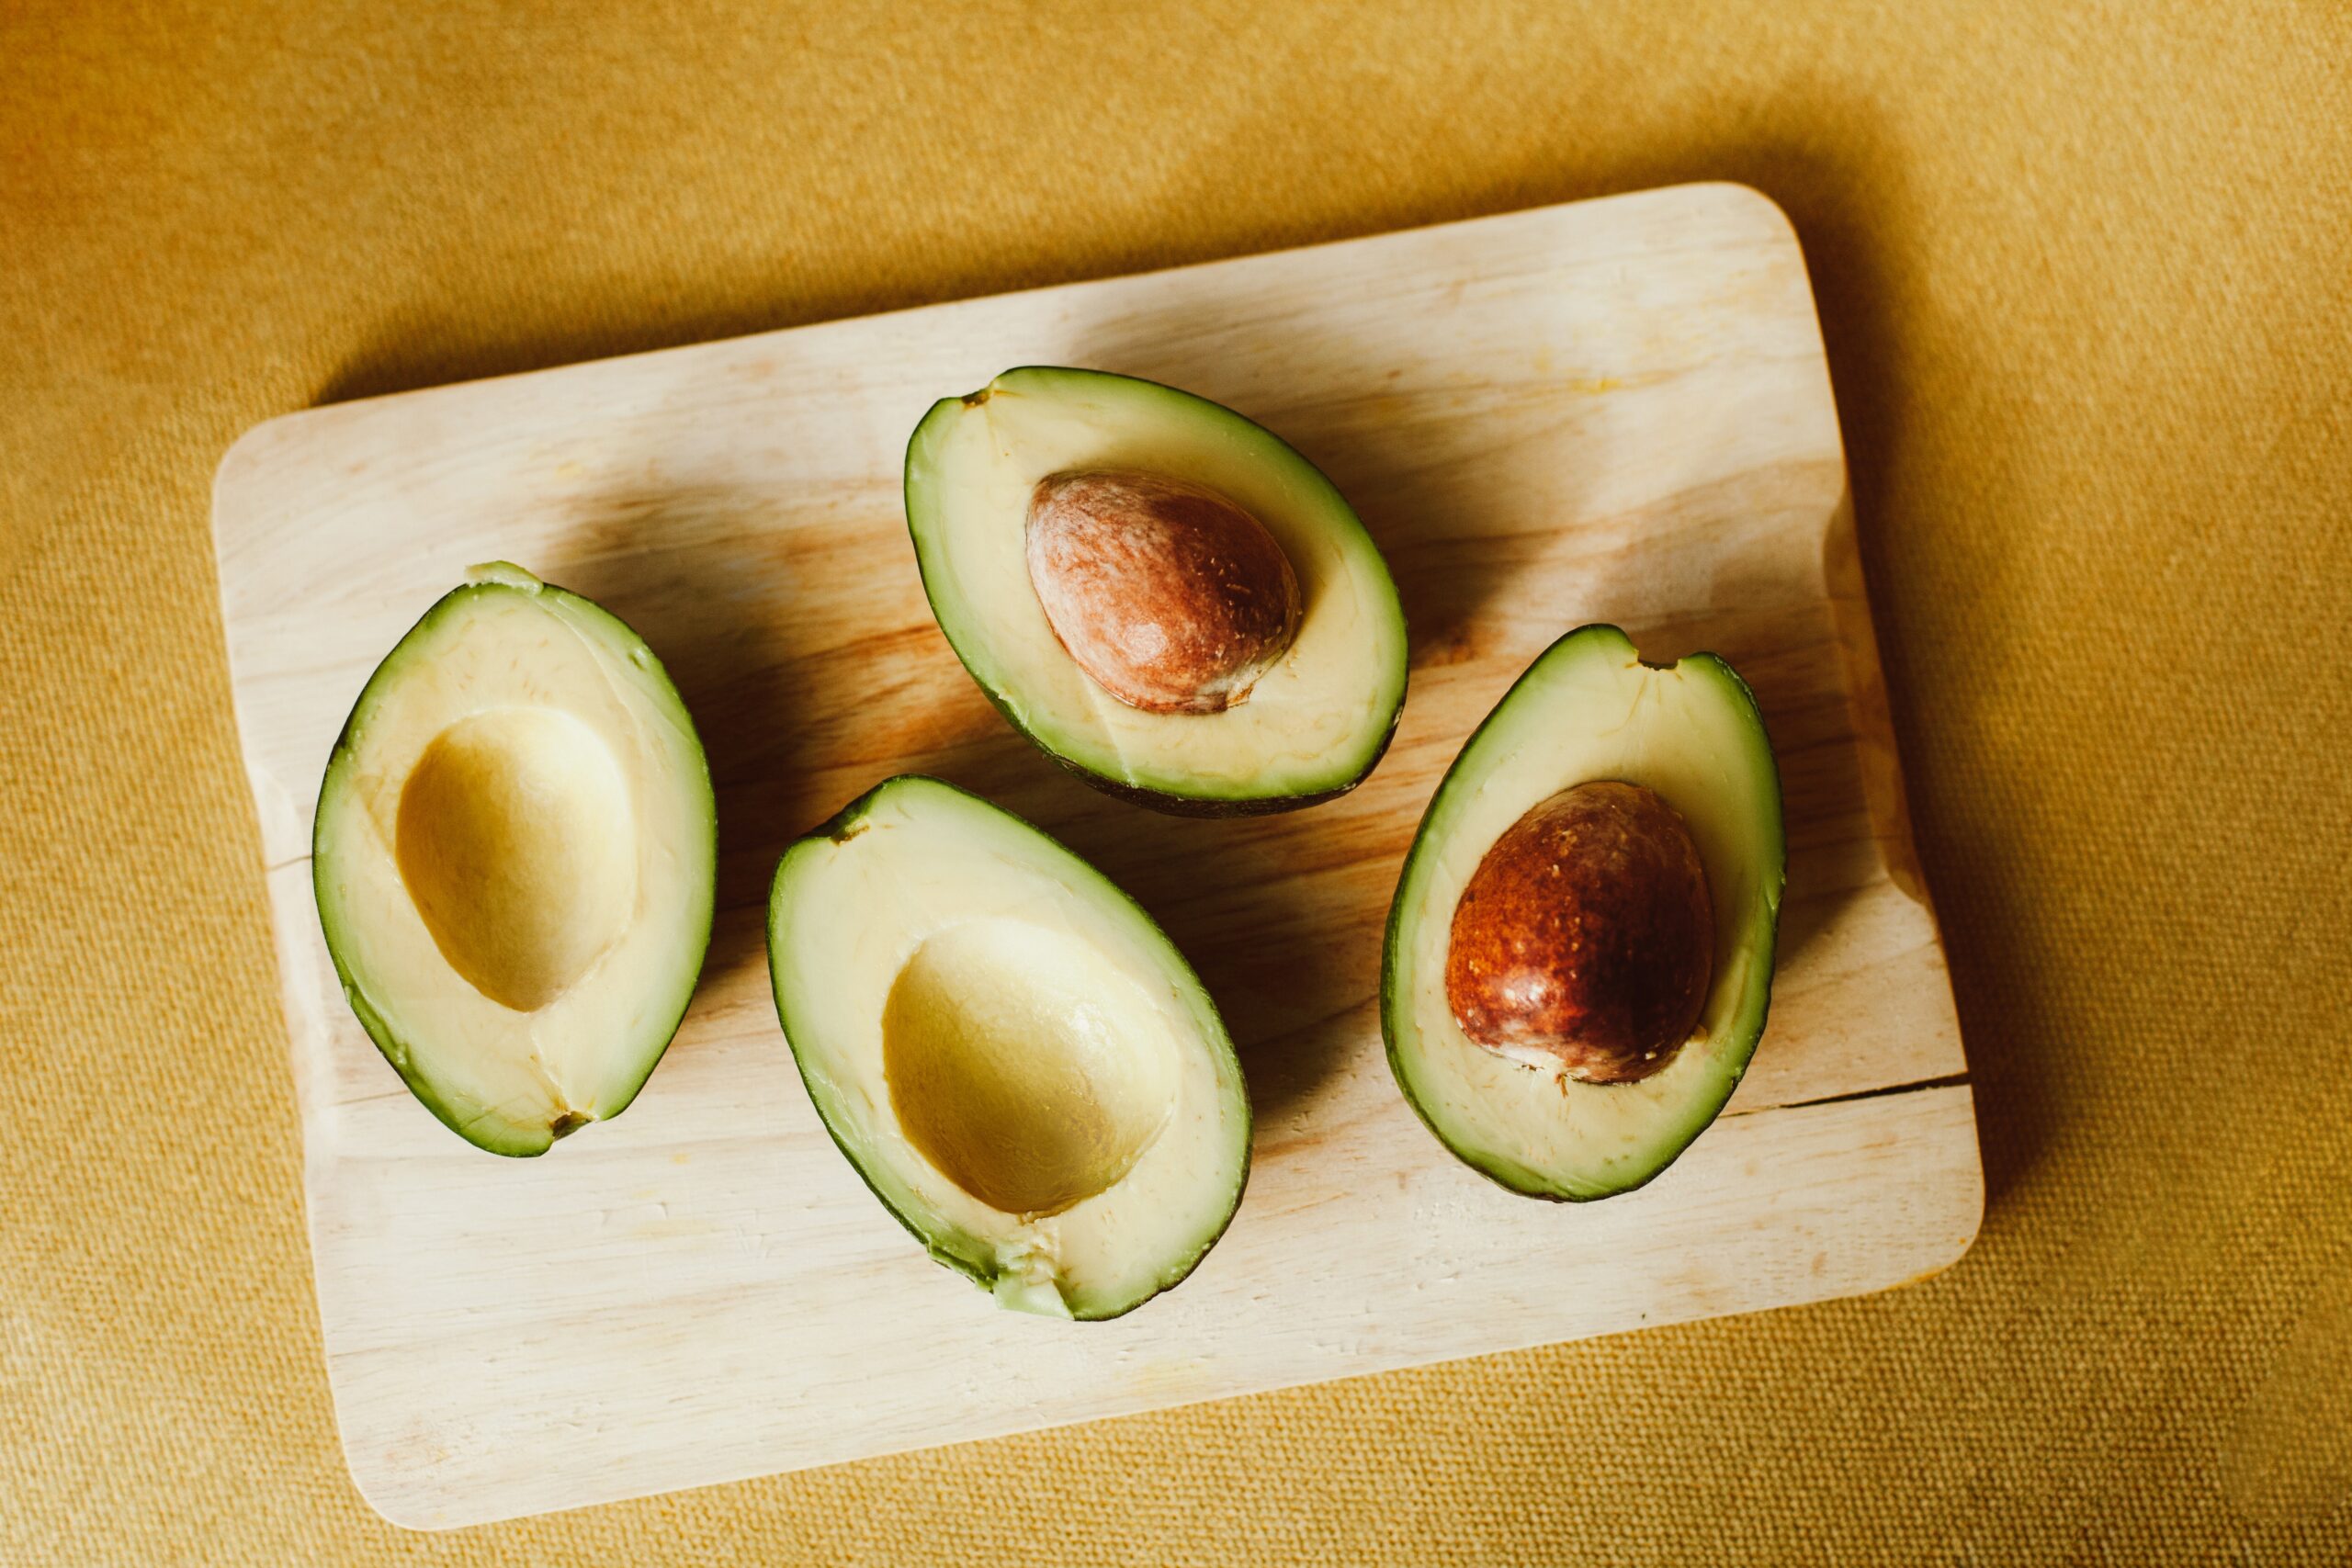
(1585, 935)
(1172, 598)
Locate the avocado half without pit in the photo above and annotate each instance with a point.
(514, 858)
(1163, 597)
(1579, 956)
(1019, 1065)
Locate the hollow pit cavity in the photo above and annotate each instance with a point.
(1024, 1064)
(516, 843)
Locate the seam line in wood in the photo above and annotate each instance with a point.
(1949, 1080)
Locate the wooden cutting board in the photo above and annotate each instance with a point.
(1612, 410)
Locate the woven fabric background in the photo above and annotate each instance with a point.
(2085, 272)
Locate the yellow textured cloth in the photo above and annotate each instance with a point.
(2086, 273)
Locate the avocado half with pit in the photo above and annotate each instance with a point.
(1021, 1066)
(1579, 956)
(1165, 597)
(514, 858)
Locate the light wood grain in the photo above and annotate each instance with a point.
(1615, 411)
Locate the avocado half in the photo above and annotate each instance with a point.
(1589, 709)
(1311, 727)
(1019, 1065)
(514, 858)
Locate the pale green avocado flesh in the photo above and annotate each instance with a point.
(514, 858)
(1019, 1065)
(1311, 727)
(1589, 709)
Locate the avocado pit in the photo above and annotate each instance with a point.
(1586, 936)
(1168, 595)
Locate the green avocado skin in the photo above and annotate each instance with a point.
(1166, 802)
(1510, 1175)
(963, 1254)
(485, 1132)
